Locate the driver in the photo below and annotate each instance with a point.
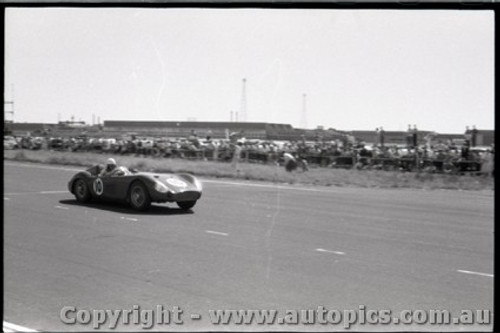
(112, 169)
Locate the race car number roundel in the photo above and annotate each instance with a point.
(98, 186)
(176, 182)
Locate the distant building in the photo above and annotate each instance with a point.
(251, 130)
(484, 137)
(19, 129)
(72, 124)
(41, 129)
(390, 137)
(217, 130)
(185, 128)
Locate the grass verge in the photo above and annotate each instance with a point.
(269, 173)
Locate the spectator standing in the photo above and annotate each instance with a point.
(415, 136)
(193, 139)
(467, 134)
(345, 141)
(465, 150)
(290, 161)
(233, 137)
(487, 163)
(235, 148)
(492, 159)
(409, 137)
(428, 141)
(474, 133)
(216, 151)
(381, 136)
(351, 140)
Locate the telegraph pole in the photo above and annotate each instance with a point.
(8, 110)
(243, 111)
(303, 119)
(11, 102)
(11, 111)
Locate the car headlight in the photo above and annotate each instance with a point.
(161, 187)
(198, 184)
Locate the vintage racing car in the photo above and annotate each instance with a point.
(138, 189)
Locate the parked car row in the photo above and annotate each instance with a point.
(435, 158)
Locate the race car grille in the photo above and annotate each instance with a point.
(187, 196)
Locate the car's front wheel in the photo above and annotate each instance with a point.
(81, 190)
(185, 205)
(139, 196)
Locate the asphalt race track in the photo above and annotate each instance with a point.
(243, 246)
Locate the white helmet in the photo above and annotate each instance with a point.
(111, 161)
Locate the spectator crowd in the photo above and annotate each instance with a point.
(425, 154)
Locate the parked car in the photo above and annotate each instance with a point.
(10, 142)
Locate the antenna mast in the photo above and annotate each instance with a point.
(243, 111)
(303, 119)
(11, 110)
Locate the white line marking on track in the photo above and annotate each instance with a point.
(20, 193)
(9, 327)
(330, 251)
(216, 233)
(43, 167)
(129, 219)
(61, 207)
(475, 273)
(281, 187)
(41, 192)
(6, 198)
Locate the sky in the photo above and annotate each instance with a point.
(345, 69)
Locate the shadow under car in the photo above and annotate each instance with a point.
(154, 209)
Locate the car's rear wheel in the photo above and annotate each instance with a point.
(185, 205)
(139, 196)
(81, 190)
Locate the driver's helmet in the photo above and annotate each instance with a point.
(110, 164)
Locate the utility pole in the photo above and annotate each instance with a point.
(303, 119)
(243, 111)
(11, 110)
(8, 129)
